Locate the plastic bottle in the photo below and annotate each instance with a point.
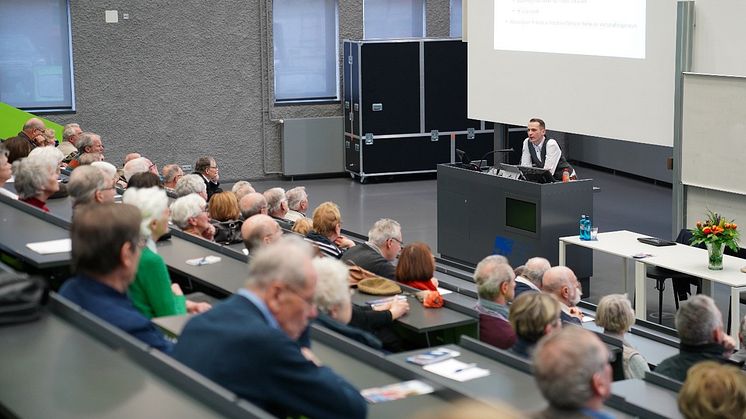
(588, 226)
(582, 227)
(565, 176)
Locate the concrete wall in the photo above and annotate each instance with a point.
(180, 79)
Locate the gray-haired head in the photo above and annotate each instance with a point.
(490, 261)
(564, 365)
(70, 132)
(190, 184)
(51, 155)
(534, 270)
(108, 169)
(285, 262)
(332, 287)
(31, 175)
(186, 207)
(615, 314)
(84, 182)
(383, 230)
(490, 275)
(296, 197)
(252, 204)
(242, 188)
(151, 202)
(276, 201)
(87, 140)
(698, 320)
(138, 165)
(171, 174)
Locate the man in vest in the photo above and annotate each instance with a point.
(538, 151)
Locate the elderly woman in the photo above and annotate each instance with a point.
(189, 213)
(326, 233)
(36, 179)
(152, 292)
(615, 315)
(89, 185)
(416, 267)
(6, 172)
(109, 171)
(226, 217)
(533, 315)
(191, 184)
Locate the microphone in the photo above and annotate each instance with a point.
(502, 150)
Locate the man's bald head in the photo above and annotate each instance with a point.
(252, 204)
(561, 282)
(34, 123)
(259, 230)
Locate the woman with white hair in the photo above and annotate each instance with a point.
(333, 301)
(36, 179)
(615, 315)
(152, 292)
(6, 172)
(190, 214)
(110, 172)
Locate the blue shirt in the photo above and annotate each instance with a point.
(596, 414)
(114, 307)
(259, 303)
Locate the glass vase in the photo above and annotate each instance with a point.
(715, 256)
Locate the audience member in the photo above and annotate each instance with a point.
(297, 203)
(739, 356)
(88, 185)
(327, 228)
(68, 147)
(251, 204)
(241, 189)
(28, 139)
(616, 316)
(334, 304)
(50, 138)
(496, 287)
(207, 169)
(89, 158)
(109, 171)
(700, 327)
(105, 256)
(88, 142)
(302, 226)
(225, 216)
(6, 172)
(152, 292)
(416, 267)
(277, 205)
(190, 184)
(145, 180)
(561, 282)
(382, 248)
(533, 315)
(258, 231)
(248, 343)
(713, 391)
(139, 165)
(36, 179)
(189, 213)
(171, 174)
(530, 278)
(572, 370)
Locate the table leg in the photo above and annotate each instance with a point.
(562, 250)
(735, 313)
(640, 296)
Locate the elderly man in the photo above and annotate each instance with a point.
(700, 327)
(561, 282)
(171, 174)
(377, 254)
(496, 288)
(297, 203)
(36, 179)
(68, 147)
(207, 169)
(89, 185)
(258, 231)
(571, 368)
(248, 343)
(252, 204)
(139, 165)
(88, 142)
(278, 206)
(29, 138)
(531, 277)
(241, 189)
(106, 255)
(190, 184)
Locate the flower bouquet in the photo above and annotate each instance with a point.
(716, 232)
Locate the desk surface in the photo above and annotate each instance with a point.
(17, 228)
(59, 371)
(648, 396)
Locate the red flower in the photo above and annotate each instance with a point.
(707, 230)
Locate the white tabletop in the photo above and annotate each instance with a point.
(621, 243)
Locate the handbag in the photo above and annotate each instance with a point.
(21, 298)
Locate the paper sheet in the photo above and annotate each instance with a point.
(50, 247)
(457, 370)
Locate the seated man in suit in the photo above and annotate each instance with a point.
(377, 254)
(496, 287)
(532, 275)
(561, 282)
(207, 168)
(248, 343)
(106, 255)
(297, 202)
(572, 370)
(538, 151)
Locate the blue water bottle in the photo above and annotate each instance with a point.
(584, 230)
(588, 226)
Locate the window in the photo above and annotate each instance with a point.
(386, 19)
(35, 55)
(455, 18)
(305, 50)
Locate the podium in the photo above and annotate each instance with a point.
(480, 214)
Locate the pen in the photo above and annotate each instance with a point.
(464, 368)
(202, 261)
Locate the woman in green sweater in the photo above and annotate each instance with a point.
(152, 292)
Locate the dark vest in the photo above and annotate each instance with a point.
(562, 164)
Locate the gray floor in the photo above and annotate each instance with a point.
(621, 203)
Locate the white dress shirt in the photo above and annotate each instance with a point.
(552, 158)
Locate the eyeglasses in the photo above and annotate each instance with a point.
(309, 301)
(140, 243)
(401, 243)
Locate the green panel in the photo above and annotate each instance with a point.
(12, 120)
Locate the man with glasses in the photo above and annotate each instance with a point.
(106, 256)
(88, 143)
(248, 343)
(561, 282)
(139, 165)
(382, 248)
(171, 174)
(252, 204)
(208, 169)
(88, 185)
(29, 138)
(70, 134)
